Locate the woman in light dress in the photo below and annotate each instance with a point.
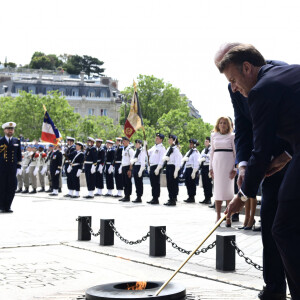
(222, 163)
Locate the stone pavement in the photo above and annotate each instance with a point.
(40, 257)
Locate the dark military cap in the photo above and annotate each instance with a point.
(160, 135)
(125, 138)
(139, 141)
(194, 141)
(173, 136)
(208, 138)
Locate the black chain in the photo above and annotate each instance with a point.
(144, 238)
(174, 245)
(89, 225)
(247, 259)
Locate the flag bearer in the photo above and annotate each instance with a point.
(47, 162)
(42, 167)
(55, 169)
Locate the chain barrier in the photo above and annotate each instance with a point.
(89, 225)
(247, 259)
(144, 238)
(174, 245)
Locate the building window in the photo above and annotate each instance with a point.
(91, 94)
(62, 92)
(31, 89)
(91, 111)
(76, 110)
(48, 90)
(18, 90)
(103, 112)
(103, 94)
(75, 93)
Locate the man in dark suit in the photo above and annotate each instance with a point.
(274, 103)
(55, 169)
(10, 166)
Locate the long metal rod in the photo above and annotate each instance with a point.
(173, 275)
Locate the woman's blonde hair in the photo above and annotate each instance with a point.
(229, 123)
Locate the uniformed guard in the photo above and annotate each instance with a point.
(10, 166)
(173, 158)
(42, 167)
(204, 166)
(127, 156)
(75, 169)
(33, 168)
(109, 169)
(99, 169)
(47, 162)
(90, 164)
(21, 177)
(191, 164)
(69, 153)
(55, 169)
(25, 164)
(138, 163)
(156, 154)
(118, 167)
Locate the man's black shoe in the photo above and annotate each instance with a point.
(9, 211)
(52, 194)
(75, 196)
(25, 191)
(59, 190)
(125, 199)
(18, 191)
(137, 200)
(116, 196)
(97, 195)
(206, 201)
(266, 295)
(189, 200)
(88, 197)
(170, 203)
(33, 191)
(67, 195)
(212, 206)
(41, 190)
(153, 201)
(235, 217)
(108, 195)
(49, 190)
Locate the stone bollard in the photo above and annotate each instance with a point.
(225, 253)
(107, 235)
(157, 245)
(84, 233)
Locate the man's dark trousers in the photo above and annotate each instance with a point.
(138, 180)
(172, 183)
(126, 181)
(206, 182)
(190, 183)
(155, 182)
(8, 181)
(273, 273)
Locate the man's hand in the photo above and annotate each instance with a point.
(235, 205)
(277, 164)
(232, 174)
(211, 174)
(242, 171)
(129, 173)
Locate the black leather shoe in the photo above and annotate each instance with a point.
(249, 227)
(49, 190)
(170, 203)
(59, 190)
(266, 295)
(153, 201)
(75, 196)
(18, 191)
(125, 199)
(88, 197)
(53, 194)
(108, 195)
(189, 200)
(68, 195)
(212, 206)
(25, 191)
(137, 200)
(9, 211)
(97, 195)
(235, 217)
(41, 190)
(206, 201)
(116, 196)
(33, 191)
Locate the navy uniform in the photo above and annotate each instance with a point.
(191, 162)
(10, 166)
(138, 163)
(206, 179)
(47, 162)
(69, 154)
(90, 164)
(100, 164)
(118, 167)
(55, 169)
(109, 168)
(76, 165)
(173, 159)
(127, 156)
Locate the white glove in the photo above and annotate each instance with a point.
(156, 172)
(93, 169)
(166, 158)
(185, 159)
(134, 160)
(27, 170)
(100, 169)
(193, 175)
(69, 169)
(201, 159)
(176, 172)
(43, 171)
(36, 169)
(110, 169)
(140, 173)
(57, 172)
(145, 144)
(120, 170)
(78, 172)
(19, 171)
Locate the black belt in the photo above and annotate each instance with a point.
(223, 150)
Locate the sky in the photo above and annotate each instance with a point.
(173, 40)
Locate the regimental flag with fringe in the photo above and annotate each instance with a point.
(50, 133)
(134, 120)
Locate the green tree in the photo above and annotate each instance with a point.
(10, 64)
(40, 60)
(156, 98)
(27, 111)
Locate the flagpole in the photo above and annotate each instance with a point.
(146, 146)
(45, 109)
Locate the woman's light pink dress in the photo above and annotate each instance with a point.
(222, 163)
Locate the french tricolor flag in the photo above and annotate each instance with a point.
(50, 133)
